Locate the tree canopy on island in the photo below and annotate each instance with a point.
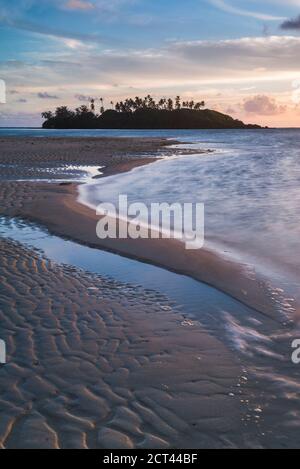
(140, 113)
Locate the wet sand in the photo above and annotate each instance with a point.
(57, 151)
(57, 207)
(25, 157)
(93, 363)
(97, 364)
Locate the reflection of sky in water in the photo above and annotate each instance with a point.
(194, 298)
(179, 288)
(68, 173)
(250, 189)
(242, 329)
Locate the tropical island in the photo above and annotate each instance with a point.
(142, 113)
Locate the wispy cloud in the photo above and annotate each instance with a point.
(15, 15)
(45, 95)
(52, 32)
(230, 8)
(82, 5)
(245, 62)
(106, 7)
(83, 98)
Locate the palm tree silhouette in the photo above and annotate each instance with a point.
(102, 107)
(92, 101)
(178, 103)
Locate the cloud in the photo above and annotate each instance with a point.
(263, 105)
(102, 7)
(225, 6)
(230, 110)
(51, 32)
(79, 5)
(76, 44)
(256, 56)
(269, 62)
(244, 62)
(291, 24)
(15, 17)
(83, 98)
(45, 95)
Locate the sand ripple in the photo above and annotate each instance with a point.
(97, 364)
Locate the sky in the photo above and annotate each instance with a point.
(240, 57)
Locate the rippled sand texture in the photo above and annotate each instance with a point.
(49, 157)
(92, 363)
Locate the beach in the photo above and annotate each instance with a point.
(34, 156)
(95, 364)
(91, 363)
(57, 207)
(99, 363)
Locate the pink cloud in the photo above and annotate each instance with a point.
(79, 5)
(263, 105)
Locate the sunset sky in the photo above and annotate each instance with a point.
(241, 57)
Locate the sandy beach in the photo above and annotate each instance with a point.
(35, 157)
(97, 364)
(94, 363)
(57, 207)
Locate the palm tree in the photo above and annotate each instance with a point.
(47, 115)
(138, 102)
(130, 105)
(199, 105)
(152, 103)
(82, 110)
(177, 102)
(102, 107)
(122, 107)
(170, 105)
(162, 103)
(92, 101)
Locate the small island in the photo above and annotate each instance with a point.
(142, 113)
